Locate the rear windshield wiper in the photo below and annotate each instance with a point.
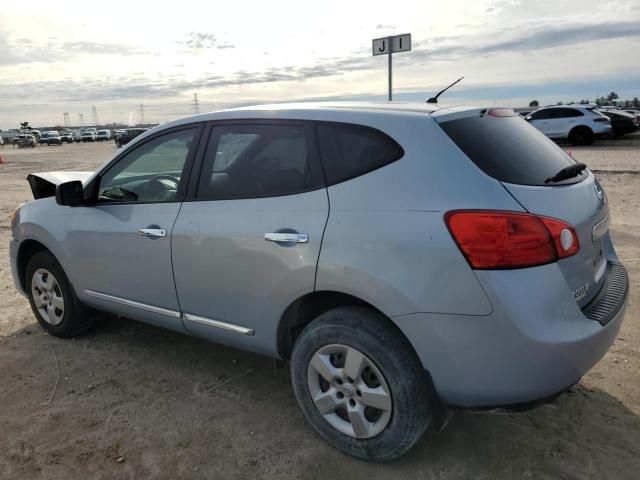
(567, 172)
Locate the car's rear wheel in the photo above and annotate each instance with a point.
(53, 300)
(581, 136)
(360, 384)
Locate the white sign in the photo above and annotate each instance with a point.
(386, 45)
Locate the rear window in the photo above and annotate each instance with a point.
(348, 151)
(509, 149)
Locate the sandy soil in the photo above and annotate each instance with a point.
(134, 401)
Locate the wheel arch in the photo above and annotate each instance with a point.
(28, 248)
(308, 307)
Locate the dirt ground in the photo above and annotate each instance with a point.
(134, 401)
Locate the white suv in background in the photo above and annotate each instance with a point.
(103, 135)
(579, 124)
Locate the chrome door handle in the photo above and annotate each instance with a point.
(287, 237)
(152, 232)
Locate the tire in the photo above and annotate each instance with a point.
(389, 368)
(67, 319)
(581, 136)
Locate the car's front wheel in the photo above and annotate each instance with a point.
(360, 384)
(53, 300)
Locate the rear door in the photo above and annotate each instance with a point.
(247, 243)
(508, 149)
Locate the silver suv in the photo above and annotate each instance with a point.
(404, 258)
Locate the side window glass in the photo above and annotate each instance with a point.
(151, 172)
(252, 161)
(348, 151)
(541, 115)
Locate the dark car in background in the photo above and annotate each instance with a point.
(128, 135)
(622, 122)
(51, 137)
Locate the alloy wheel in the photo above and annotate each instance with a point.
(47, 296)
(349, 391)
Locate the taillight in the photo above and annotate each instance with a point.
(502, 112)
(500, 240)
(601, 120)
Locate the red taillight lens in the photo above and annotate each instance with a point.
(498, 240)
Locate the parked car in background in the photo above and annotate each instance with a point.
(103, 135)
(622, 122)
(128, 135)
(50, 137)
(578, 124)
(632, 111)
(67, 136)
(89, 136)
(117, 133)
(1, 141)
(403, 257)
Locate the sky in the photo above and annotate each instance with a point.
(115, 56)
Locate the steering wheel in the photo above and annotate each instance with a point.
(155, 187)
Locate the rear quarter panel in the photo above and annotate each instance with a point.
(386, 241)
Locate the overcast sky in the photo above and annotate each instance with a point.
(67, 57)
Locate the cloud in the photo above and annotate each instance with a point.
(98, 48)
(200, 40)
(555, 36)
(140, 85)
(531, 39)
(24, 50)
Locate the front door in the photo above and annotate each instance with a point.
(121, 246)
(248, 245)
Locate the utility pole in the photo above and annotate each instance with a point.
(141, 114)
(94, 114)
(67, 120)
(81, 119)
(196, 105)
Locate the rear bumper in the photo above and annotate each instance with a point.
(535, 344)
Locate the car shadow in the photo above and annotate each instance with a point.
(169, 403)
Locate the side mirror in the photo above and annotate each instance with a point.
(70, 194)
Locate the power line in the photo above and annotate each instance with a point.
(196, 105)
(94, 114)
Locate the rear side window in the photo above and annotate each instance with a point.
(348, 151)
(509, 149)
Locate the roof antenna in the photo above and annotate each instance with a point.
(435, 99)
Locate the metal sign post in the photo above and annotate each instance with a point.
(389, 45)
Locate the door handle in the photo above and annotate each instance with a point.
(285, 237)
(152, 232)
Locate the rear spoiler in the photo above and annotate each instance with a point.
(43, 184)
